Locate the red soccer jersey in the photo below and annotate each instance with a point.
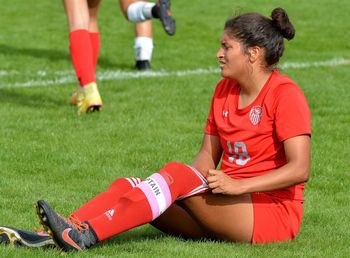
(252, 137)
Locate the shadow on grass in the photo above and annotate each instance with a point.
(35, 100)
(54, 55)
(135, 236)
(148, 233)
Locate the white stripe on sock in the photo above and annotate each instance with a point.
(131, 182)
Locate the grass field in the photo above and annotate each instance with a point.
(47, 151)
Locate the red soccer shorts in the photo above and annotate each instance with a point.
(275, 219)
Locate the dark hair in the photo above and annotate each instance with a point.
(254, 29)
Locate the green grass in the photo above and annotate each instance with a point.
(47, 151)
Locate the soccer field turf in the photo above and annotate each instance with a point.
(48, 152)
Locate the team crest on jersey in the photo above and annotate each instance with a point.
(255, 114)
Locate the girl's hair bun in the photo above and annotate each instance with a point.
(281, 21)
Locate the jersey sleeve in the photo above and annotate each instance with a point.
(292, 114)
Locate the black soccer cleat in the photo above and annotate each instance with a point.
(17, 237)
(143, 65)
(165, 16)
(69, 234)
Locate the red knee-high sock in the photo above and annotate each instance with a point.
(95, 44)
(106, 200)
(82, 56)
(149, 199)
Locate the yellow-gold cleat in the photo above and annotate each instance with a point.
(87, 98)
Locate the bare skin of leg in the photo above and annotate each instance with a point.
(77, 13)
(218, 216)
(93, 6)
(178, 222)
(143, 29)
(82, 14)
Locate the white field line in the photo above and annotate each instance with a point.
(64, 77)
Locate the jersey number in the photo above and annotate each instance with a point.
(239, 153)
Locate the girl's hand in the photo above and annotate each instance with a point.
(220, 183)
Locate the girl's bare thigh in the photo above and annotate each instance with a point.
(210, 215)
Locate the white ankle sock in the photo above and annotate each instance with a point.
(143, 48)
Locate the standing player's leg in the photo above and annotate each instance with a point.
(139, 11)
(81, 51)
(138, 206)
(94, 33)
(143, 45)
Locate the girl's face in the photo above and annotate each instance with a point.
(232, 58)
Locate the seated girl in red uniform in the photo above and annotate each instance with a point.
(258, 127)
